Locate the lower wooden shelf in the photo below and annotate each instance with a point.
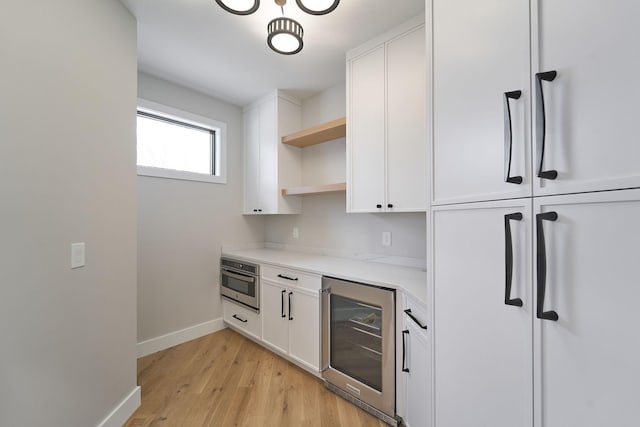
(315, 189)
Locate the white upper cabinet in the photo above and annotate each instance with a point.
(590, 107)
(269, 164)
(481, 54)
(386, 122)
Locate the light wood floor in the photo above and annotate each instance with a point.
(225, 379)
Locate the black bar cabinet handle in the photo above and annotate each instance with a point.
(290, 317)
(541, 123)
(541, 255)
(379, 206)
(408, 313)
(508, 138)
(405, 334)
(282, 303)
(235, 316)
(508, 259)
(282, 276)
(390, 205)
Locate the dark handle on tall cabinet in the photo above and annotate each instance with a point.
(282, 304)
(282, 276)
(290, 317)
(408, 313)
(390, 205)
(508, 138)
(405, 368)
(235, 316)
(541, 123)
(379, 206)
(541, 255)
(508, 259)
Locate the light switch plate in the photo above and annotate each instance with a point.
(77, 255)
(296, 233)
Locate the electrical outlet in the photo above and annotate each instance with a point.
(386, 238)
(77, 255)
(296, 232)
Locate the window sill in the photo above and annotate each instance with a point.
(180, 175)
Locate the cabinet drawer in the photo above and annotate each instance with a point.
(289, 277)
(241, 317)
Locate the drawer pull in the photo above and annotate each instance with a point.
(282, 276)
(408, 313)
(235, 316)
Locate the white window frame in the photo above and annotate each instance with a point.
(220, 145)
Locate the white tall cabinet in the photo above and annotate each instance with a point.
(567, 354)
(268, 164)
(386, 130)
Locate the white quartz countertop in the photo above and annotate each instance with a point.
(411, 280)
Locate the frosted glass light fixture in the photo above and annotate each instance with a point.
(284, 35)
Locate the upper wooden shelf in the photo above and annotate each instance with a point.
(314, 189)
(317, 134)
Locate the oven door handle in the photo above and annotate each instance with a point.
(239, 276)
(324, 351)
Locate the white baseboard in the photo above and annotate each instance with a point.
(123, 411)
(163, 342)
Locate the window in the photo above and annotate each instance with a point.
(179, 145)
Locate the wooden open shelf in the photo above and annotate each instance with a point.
(317, 134)
(314, 189)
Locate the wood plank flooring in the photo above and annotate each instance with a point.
(225, 379)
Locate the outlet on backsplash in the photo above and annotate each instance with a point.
(386, 238)
(296, 233)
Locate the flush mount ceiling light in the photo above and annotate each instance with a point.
(284, 35)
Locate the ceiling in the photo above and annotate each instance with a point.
(197, 44)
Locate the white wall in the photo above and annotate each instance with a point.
(67, 174)
(183, 224)
(324, 223)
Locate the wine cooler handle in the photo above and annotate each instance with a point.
(408, 313)
(541, 261)
(508, 259)
(405, 334)
(290, 317)
(508, 138)
(282, 314)
(541, 124)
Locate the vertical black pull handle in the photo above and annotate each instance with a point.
(541, 255)
(508, 259)
(282, 304)
(410, 314)
(405, 334)
(290, 317)
(508, 138)
(541, 123)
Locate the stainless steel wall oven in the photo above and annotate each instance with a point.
(240, 282)
(358, 345)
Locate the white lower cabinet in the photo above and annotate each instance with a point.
(291, 322)
(483, 346)
(567, 356)
(586, 369)
(416, 368)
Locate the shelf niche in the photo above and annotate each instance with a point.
(317, 134)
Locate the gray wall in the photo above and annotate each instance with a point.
(67, 174)
(183, 224)
(324, 222)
